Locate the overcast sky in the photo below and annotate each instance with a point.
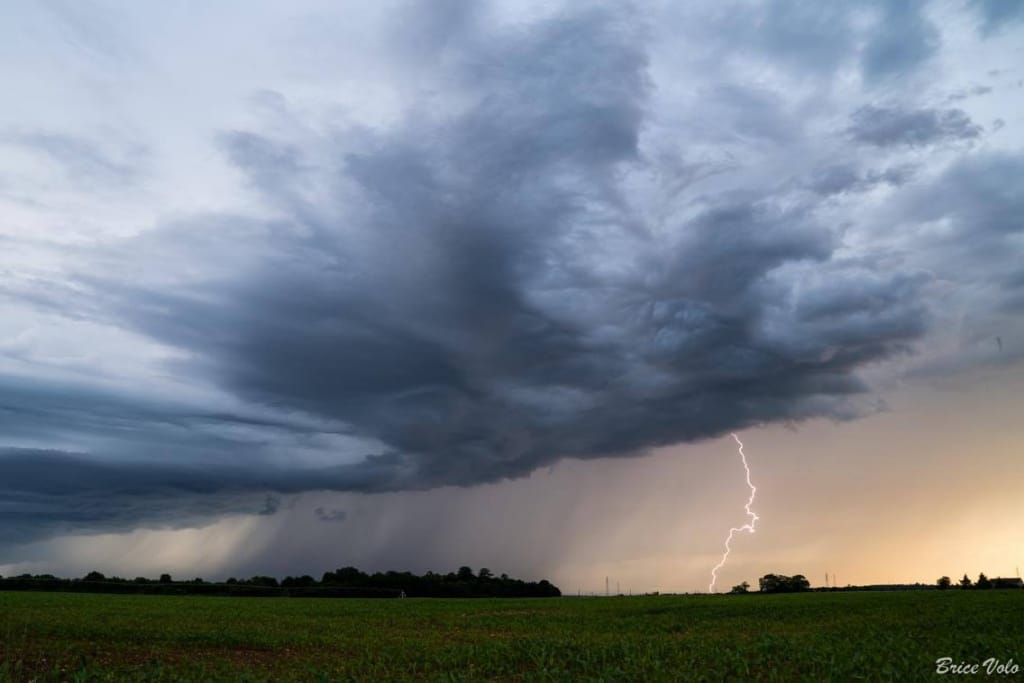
(289, 286)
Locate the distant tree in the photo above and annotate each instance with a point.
(943, 583)
(465, 574)
(983, 581)
(231, 581)
(165, 578)
(94, 576)
(485, 574)
(965, 582)
(780, 583)
(742, 588)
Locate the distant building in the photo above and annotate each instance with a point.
(1014, 582)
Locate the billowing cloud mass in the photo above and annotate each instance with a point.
(449, 244)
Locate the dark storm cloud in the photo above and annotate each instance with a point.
(43, 493)
(46, 492)
(890, 126)
(473, 313)
(475, 290)
(137, 425)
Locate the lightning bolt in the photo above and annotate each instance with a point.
(750, 526)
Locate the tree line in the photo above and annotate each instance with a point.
(343, 582)
(983, 582)
(780, 583)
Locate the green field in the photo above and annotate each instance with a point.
(819, 636)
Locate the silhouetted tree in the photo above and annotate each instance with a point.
(94, 576)
(779, 583)
(165, 578)
(485, 574)
(346, 576)
(983, 581)
(465, 574)
(547, 589)
(965, 582)
(742, 588)
(943, 583)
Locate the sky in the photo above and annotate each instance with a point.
(286, 287)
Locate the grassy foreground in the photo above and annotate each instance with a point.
(822, 636)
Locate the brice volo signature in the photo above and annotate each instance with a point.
(946, 665)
